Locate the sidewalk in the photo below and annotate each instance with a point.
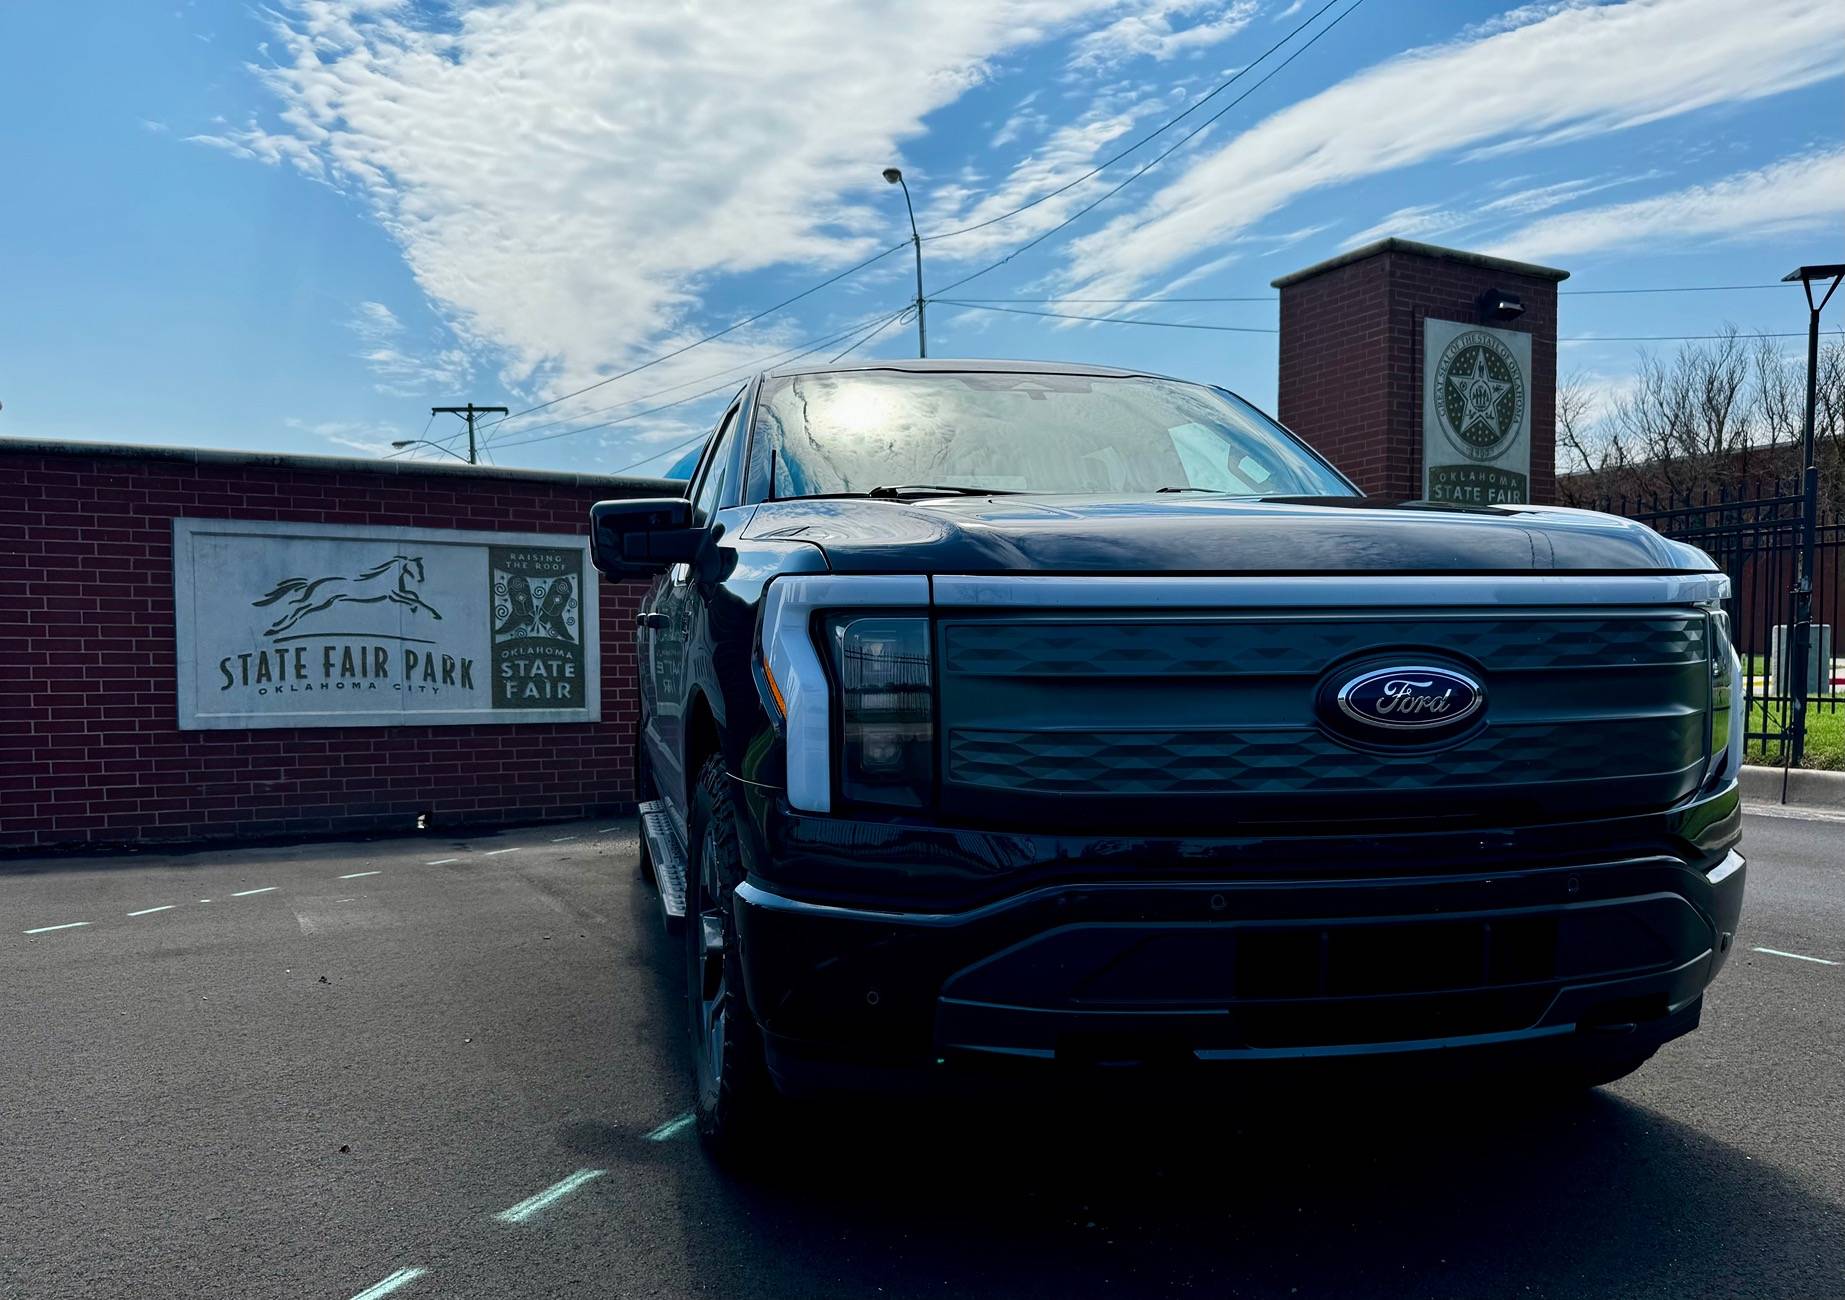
(1821, 793)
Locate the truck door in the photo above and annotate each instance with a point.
(672, 623)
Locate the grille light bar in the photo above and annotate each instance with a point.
(791, 659)
(888, 712)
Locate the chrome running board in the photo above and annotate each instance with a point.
(668, 858)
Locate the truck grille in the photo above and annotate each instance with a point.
(1597, 710)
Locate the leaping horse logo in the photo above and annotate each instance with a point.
(310, 596)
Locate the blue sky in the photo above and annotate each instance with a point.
(296, 228)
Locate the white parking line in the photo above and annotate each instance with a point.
(671, 1129)
(556, 1192)
(402, 1277)
(441, 862)
(245, 893)
(148, 911)
(47, 929)
(1776, 952)
(354, 875)
(610, 830)
(496, 852)
(562, 839)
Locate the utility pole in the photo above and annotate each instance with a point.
(1800, 660)
(895, 177)
(469, 412)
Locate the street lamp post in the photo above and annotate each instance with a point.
(1800, 661)
(894, 176)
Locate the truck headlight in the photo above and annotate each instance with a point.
(886, 708)
(1726, 713)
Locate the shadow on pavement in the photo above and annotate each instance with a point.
(1348, 1193)
(1319, 1196)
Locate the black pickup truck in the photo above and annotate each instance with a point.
(1007, 717)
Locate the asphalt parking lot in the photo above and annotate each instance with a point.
(451, 1067)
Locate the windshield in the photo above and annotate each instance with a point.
(853, 431)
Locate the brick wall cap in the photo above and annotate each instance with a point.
(619, 485)
(1433, 251)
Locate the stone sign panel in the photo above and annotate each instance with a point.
(323, 625)
(1476, 414)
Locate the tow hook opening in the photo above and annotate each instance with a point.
(1622, 1015)
(1123, 1051)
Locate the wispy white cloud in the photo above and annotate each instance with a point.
(369, 437)
(1024, 120)
(1569, 72)
(258, 145)
(1806, 192)
(1448, 219)
(1066, 152)
(1160, 30)
(568, 179)
(402, 372)
(1522, 16)
(1417, 221)
(1540, 198)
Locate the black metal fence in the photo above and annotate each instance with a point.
(1753, 533)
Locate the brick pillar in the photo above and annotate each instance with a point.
(1351, 373)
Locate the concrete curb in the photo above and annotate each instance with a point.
(1805, 788)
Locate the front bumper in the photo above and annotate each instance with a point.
(1581, 957)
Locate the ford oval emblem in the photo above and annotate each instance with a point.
(1411, 697)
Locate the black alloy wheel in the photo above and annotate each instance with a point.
(732, 1086)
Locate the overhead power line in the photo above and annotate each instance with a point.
(1676, 338)
(1674, 288)
(1254, 297)
(1160, 157)
(854, 269)
(404, 451)
(623, 419)
(1148, 138)
(1272, 297)
(968, 305)
(1111, 320)
(740, 369)
(876, 330)
(860, 266)
(815, 346)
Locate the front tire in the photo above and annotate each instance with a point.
(733, 1092)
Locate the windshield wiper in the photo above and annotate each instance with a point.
(928, 489)
(1184, 489)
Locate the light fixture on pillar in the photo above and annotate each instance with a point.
(1500, 305)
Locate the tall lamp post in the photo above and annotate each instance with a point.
(894, 176)
(1801, 659)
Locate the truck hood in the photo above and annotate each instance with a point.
(1161, 534)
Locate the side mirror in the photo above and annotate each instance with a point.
(638, 538)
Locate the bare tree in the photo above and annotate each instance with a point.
(1587, 460)
(1711, 417)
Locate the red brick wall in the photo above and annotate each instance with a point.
(90, 749)
(1351, 343)
(1333, 388)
